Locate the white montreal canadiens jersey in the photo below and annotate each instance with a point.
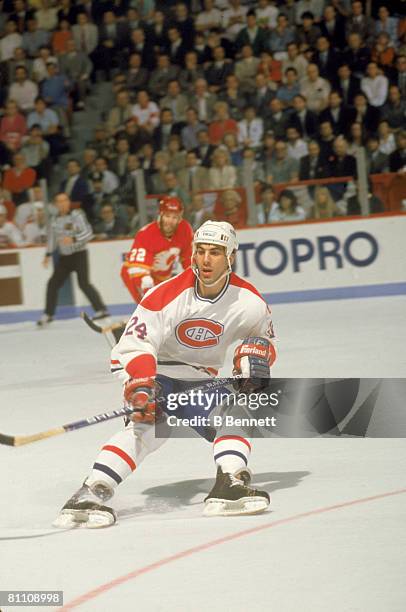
(173, 323)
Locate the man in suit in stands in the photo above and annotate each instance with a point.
(176, 101)
(118, 163)
(365, 114)
(120, 112)
(77, 66)
(332, 27)
(85, 34)
(347, 84)
(164, 73)
(377, 162)
(194, 177)
(176, 48)
(357, 55)
(342, 164)
(203, 101)
(313, 165)
(276, 119)
(166, 128)
(304, 120)
(339, 115)
(218, 70)
(74, 186)
(140, 43)
(359, 23)
(252, 35)
(326, 139)
(325, 57)
(204, 150)
(262, 95)
(136, 75)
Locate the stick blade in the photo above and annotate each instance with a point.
(7, 440)
(89, 321)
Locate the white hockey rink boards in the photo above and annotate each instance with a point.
(322, 546)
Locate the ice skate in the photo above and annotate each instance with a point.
(232, 495)
(86, 508)
(44, 320)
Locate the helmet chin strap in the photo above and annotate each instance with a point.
(205, 284)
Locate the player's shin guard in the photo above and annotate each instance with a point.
(123, 453)
(116, 460)
(231, 453)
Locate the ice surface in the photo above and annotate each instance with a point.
(347, 559)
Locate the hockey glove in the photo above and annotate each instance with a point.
(252, 364)
(146, 283)
(139, 393)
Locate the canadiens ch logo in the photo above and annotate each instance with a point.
(199, 333)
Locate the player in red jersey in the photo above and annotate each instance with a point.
(153, 255)
(156, 248)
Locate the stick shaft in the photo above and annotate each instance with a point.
(92, 420)
(99, 418)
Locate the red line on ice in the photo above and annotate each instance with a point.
(78, 601)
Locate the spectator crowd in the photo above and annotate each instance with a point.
(200, 87)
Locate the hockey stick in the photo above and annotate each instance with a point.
(98, 328)
(93, 420)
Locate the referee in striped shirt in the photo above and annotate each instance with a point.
(69, 232)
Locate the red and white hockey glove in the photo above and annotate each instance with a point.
(146, 283)
(139, 393)
(252, 363)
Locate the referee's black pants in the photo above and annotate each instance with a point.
(77, 262)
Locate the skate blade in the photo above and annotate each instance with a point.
(94, 519)
(225, 507)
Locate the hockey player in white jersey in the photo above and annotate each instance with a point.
(181, 330)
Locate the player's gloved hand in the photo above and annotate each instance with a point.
(146, 283)
(252, 364)
(139, 393)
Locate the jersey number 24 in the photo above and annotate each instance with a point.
(133, 326)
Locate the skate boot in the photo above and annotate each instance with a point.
(232, 495)
(44, 320)
(86, 508)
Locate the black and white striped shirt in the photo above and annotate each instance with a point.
(75, 225)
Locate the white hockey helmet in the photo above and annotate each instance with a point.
(220, 233)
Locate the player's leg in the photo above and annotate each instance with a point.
(232, 493)
(117, 459)
(81, 268)
(59, 276)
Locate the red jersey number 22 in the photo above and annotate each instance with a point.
(140, 329)
(137, 255)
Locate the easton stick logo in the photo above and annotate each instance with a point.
(199, 333)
